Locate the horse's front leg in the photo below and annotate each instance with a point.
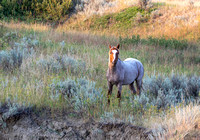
(110, 87)
(119, 86)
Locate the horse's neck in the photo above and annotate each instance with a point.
(114, 67)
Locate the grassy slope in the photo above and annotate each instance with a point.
(161, 20)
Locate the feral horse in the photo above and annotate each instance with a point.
(123, 73)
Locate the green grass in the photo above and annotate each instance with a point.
(124, 19)
(158, 42)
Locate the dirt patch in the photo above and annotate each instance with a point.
(30, 127)
(24, 124)
(21, 123)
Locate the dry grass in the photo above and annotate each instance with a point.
(100, 7)
(195, 3)
(31, 26)
(174, 22)
(179, 23)
(177, 123)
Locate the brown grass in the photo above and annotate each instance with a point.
(179, 122)
(174, 22)
(196, 3)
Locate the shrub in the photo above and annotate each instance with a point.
(41, 9)
(51, 9)
(81, 93)
(63, 88)
(7, 39)
(9, 60)
(109, 117)
(155, 14)
(143, 3)
(28, 42)
(11, 110)
(12, 59)
(49, 64)
(56, 63)
(93, 7)
(72, 65)
(163, 91)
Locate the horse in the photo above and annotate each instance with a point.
(123, 73)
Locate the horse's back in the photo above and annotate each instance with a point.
(133, 69)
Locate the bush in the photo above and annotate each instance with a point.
(11, 110)
(93, 7)
(27, 42)
(9, 60)
(80, 94)
(51, 10)
(56, 63)
(7, 39)
(12, 59)
(142, 3)
(163, 91)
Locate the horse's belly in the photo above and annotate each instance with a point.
(131, 73)
(129, 78)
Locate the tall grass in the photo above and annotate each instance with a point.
(178, 122)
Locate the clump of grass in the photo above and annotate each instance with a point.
(168, 91)
(158, 42)
(175, 124)
(11, 110)
(10, 60)
(7, 39)
(56, 63)
(81, 94)
(93, 7)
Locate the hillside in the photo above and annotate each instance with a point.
(168, 19)
(159, 20)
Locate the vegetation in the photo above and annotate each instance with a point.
(43, 61)
(65, 71)
(122, 20)
(159, 42)
(49, 10)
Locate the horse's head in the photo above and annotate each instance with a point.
(113, 54)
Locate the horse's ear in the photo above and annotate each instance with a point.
(118, 46)
(110, 46)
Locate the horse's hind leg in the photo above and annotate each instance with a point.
(139, 86)
(110, 87)
(132, 88)
(119, 86)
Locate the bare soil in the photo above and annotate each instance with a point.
(28, 124)
(25, 124)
